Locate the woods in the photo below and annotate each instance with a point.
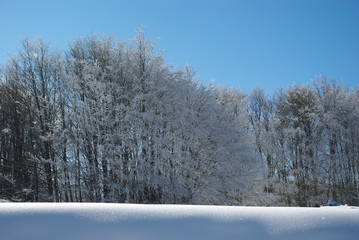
(307, 136)
(110, 121)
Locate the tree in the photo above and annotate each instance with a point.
(339, 126)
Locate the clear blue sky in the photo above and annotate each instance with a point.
(240, 43)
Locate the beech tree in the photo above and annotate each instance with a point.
(307, 142)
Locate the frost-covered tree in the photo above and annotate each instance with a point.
(338, 115)
(310, 141)
(33, 76)
(149, 134)
(296, 109)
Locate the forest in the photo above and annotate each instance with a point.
(111, 121)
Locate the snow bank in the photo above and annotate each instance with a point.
(90, 221)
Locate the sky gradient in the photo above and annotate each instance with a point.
(241, 43)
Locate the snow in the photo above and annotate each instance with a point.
(90, 221)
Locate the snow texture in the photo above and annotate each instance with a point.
(90, 221)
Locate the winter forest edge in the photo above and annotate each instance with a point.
(110, 121)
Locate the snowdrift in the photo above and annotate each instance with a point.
(90, 221)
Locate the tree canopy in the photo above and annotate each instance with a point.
(111, 121)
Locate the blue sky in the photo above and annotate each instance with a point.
(240, 43)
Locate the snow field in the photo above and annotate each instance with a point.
(90, 221)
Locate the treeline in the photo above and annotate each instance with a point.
(110, 121)
(308, 138)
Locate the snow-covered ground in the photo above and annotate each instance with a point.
(90, 221)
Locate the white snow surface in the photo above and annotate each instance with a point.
(90, 221)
